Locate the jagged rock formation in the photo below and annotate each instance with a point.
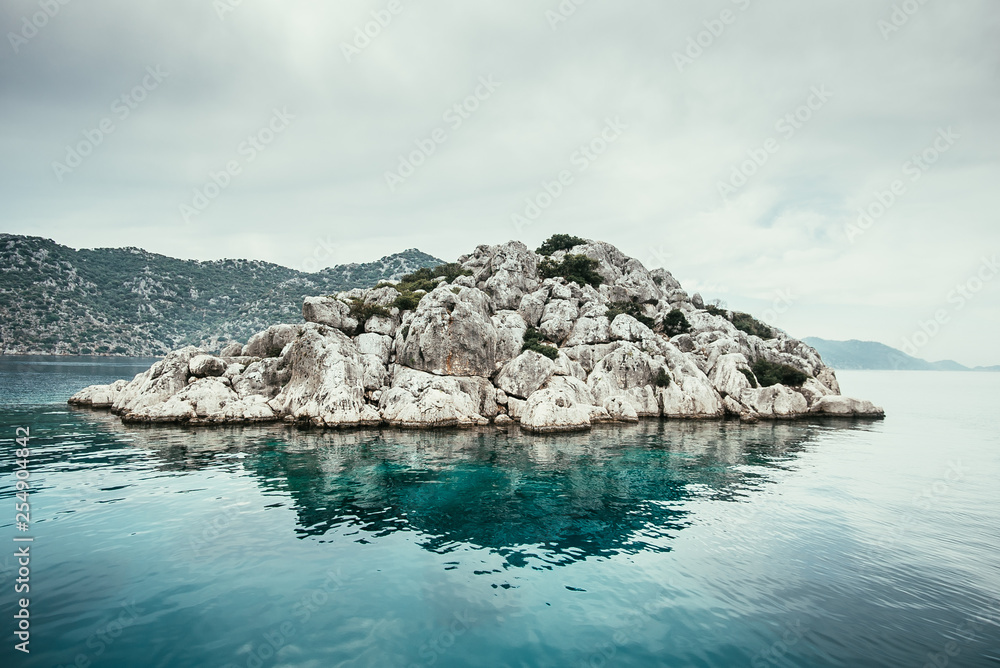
(457, 358)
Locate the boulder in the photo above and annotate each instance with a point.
(326, 387)
(272, 341)
(532, 306)
(156, 385)
(558, 319)
(208, 400)
(776, 401)
(202, 366)
(510, 327)
(727, 375)
(376, 345)
(452, 334)
(588, 331)
(525, 373)
(418, 399)
(845, 406)
(234, 349)
(568, 367)
(512, 272)
(263, 378)
(620, 409)
(626, 328)
(329, 311)
(98, 396)
(554, 410)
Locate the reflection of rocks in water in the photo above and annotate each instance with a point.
(536, 501)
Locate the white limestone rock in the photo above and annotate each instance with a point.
(328, 311)
(510, 327)
(203, 366)
(326, 387)
(452, 334)
(554, 410)
(98, 396)
(626, 328)
(272, 341)
(588, 331)
(558, 319)
(418, 399)
(846, 406)
(776, 401)
(525, 373)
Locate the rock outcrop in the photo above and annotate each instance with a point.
(459, 358)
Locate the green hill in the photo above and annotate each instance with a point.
(126, 301)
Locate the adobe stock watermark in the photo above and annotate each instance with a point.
(325, 251)
(774, 654)
(455, 116)
(562, 13)
(787, 126)
(248, 150)
(582, 158)
(899, 17)
(223, 7)
(256, 655)
(31, 25)
(698, 43)
(632, 627)
(968, 632)
(913, 169)
(923, 502)
(106, 635)
(444, 640)
(121, 108)
(783, 300)
(365, 34)
(958, 298)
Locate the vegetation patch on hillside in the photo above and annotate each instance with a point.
(578, 269)
(534, 340)
(425, 279)
(558, 242)
(751, 325)
(616, 309)
(676, 323)
(773, 373)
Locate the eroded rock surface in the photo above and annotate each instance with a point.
(459, 358)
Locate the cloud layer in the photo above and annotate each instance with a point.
(751, 134)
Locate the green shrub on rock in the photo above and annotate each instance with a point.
(558, 242)
(773, 373)
(578, 269)
(663, 378)
(616, 309)
(362, 312)
(751, 325)
(675, 323)
(534, 340)
(426, 279)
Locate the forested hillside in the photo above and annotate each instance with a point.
(126, 301)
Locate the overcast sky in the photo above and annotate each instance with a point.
(834, 98)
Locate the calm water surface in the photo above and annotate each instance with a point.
(807, 543)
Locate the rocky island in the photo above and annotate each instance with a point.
(558, 339)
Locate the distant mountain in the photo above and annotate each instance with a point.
(872, 355)
(126, 301)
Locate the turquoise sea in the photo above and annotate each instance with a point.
(678, 543)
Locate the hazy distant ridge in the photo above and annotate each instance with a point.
(871, 355)
(127, 301)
